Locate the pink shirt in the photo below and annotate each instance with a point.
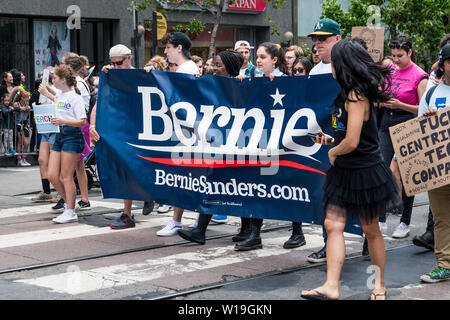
(405, 83)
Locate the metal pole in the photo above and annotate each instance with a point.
(154, 34)
(136, 38)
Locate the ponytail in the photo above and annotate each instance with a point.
(76, 88)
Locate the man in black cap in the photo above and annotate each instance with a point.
(177, 51)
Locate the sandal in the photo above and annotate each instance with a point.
(318, 296)
(375, 295)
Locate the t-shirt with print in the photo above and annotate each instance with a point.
(70, 106)
(405, 83)
(188, 67)
(438, 100)
(321, 68)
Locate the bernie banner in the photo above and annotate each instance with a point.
(216, 145)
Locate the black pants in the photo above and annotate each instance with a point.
(387, 151)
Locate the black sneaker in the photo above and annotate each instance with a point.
(59, 206)
(319, 256)
(123, 222)
(83, 205)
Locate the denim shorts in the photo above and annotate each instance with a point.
(48, 137)
(69, 139)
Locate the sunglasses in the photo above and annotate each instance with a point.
(398, 45)
(297, 70)
(314, 51)
(320, 38)
(118, 63)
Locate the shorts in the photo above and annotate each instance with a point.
(69, 139)
(48, 137)
(25, 128)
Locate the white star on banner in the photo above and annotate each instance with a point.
(277, 98)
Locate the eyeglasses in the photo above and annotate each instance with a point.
(118, 63)
(314, 51)
(320, 38)
(297, 70)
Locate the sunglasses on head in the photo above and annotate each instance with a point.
(118, 63)
(297, 70)
(399, 45)
(320, 38)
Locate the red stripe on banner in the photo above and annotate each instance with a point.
(233, 163)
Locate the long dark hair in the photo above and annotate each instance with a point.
(305, 62)
(356, 71)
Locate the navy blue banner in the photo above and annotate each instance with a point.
(216, 145)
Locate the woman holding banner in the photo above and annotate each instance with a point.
(358, 182)
(69, 142)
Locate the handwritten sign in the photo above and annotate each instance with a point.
(422, 146)
(42, 116)
(374, 37)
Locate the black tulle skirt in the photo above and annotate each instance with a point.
(364, 192)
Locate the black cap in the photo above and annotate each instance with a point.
(179, 38)
(445, 53)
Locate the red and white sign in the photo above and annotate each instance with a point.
(247, 5)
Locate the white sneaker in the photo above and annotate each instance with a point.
(66, 217)
(20, 163)
(164, 208)
(383, 227)
(25, 163)
(402, 231)
(170, 229)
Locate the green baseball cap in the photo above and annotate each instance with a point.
(326, 27)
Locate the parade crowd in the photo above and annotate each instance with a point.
(364, 176)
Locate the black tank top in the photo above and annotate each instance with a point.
(368, 153)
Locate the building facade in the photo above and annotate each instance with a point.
(36, 33)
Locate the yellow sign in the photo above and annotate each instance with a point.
(161, 24)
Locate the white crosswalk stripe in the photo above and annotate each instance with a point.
(76, 281)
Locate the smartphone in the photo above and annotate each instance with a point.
(315, 135)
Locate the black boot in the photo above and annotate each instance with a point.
(148, 207)
(297, 238)
(197, 234)
(254, 240)
(245, 231)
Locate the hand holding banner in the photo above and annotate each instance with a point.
(42, 116)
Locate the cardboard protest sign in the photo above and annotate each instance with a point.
(42, 115)
(374, 37)
(422, 147)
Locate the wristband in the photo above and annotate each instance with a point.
(91, 127)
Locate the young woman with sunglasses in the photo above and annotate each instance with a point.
(301, 66)
(409, 83)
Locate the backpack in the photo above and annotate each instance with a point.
(429, 94)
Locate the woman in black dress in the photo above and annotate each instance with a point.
(358, 182)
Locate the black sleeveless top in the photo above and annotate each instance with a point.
(368, 153)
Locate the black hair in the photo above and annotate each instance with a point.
(359, 74)
(305, 62)
(232, 61)
(275, 51)
(405, 42)
(361, 41)
(439, 70)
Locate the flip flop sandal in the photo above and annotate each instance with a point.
(318, 296)
(375, 295)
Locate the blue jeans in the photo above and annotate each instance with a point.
(69, 139)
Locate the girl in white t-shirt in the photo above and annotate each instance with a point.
(69, 142)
